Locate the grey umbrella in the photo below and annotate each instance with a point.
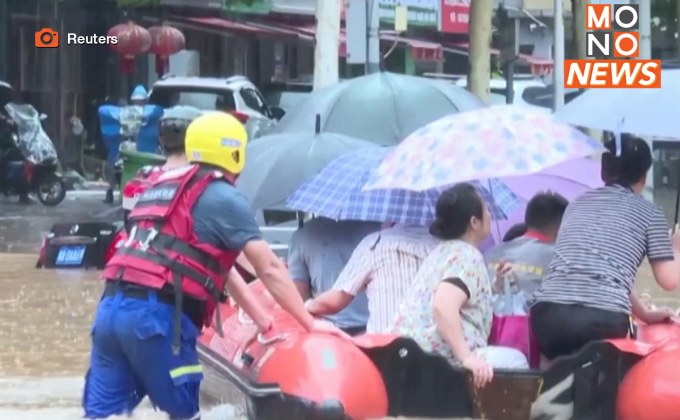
(276, 165)
(383, 108)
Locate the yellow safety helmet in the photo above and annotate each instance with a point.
(218, 139)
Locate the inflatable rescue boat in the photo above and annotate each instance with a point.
(291, 374)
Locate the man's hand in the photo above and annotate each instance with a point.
(503, 269)
(657, 316)
(325, 327)
(675, 240)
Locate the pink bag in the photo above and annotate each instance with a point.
(514, 331)
(510, 326)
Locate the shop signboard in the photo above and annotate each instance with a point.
(420, 12)
(455, 16)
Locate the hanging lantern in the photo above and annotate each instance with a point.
(133, 40)
(165, 41)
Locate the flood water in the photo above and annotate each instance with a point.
(45, 318)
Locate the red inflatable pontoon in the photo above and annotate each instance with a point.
(295, 375)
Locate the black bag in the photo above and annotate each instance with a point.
(77, 245)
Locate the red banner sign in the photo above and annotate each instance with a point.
(455, 16)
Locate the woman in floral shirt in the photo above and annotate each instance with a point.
(449, 307)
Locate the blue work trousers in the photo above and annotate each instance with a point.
(132, 357)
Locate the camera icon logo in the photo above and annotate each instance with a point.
(47, 38)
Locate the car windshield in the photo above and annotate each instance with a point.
(203, 99)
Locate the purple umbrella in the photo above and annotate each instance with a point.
(571, 179)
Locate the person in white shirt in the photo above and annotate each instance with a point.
(384, 265)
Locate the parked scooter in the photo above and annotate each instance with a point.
(37, 171)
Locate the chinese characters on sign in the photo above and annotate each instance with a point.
(455, 16)
(420, 12)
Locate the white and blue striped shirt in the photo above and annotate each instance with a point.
(605, 235)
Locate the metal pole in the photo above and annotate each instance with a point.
(326, 63)
(645, 21)
(645, 29)
(558, 56)
(373, 17)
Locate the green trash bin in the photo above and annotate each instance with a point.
(134, 160)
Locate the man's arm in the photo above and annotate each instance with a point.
(330, 302)
(246, 299)
(274, 275)
(222, 216)
(351, 281)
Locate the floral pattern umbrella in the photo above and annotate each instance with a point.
(492, 142)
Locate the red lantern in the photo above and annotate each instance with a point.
(165, 41)
(133, 40)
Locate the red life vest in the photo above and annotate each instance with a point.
(137, 185)
(162, 249)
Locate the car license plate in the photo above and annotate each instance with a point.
(70, 255)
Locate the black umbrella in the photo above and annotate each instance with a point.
(276, 165)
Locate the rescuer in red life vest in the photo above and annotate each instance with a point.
(164, 283)
(172, 129)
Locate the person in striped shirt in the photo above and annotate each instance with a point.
(605, 234)
(317, 254)
(383, 265)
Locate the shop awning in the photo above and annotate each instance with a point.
(539, 66)
(421, 50)
(246, 28)
(464, 47)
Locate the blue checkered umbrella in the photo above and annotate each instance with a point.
(336, 193)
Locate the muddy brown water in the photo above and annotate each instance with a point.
(45, 318)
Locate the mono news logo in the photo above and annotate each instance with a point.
(612, 34)
(612, 49)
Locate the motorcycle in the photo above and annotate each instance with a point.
(38, 171)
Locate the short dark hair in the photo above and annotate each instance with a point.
(634, 162)
(545, 210)
(515, 232)
(455, 207)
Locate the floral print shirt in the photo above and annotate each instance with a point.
(415, 318)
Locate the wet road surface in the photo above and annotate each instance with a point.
(22, 227)
(45, 318)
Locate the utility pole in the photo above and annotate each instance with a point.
(645, 20)
(645, 29)
(578, 27)
(481, 13)
(677, 28)
(558, 55)
(373, 17)
(326, 62)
